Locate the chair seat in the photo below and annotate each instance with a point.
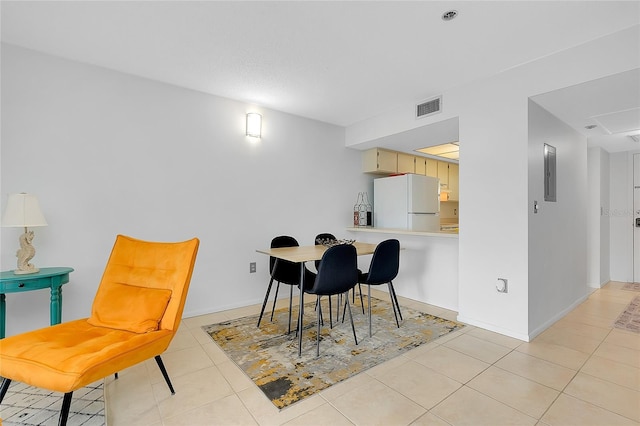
(79, 354)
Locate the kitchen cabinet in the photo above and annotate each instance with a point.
(406, 163)
(453, 182)
(377, 160)
(432, 167)
(443, 174)
(421, 165)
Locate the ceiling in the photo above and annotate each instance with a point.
(337, 62)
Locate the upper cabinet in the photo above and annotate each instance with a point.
(432, 167)
(379, 160)
(406, 163)
(453, 182)
(387, 162)
(421, 165)
(443, 174)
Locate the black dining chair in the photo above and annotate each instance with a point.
(337, 274)
(383, 270)
(323, 237)
(283, 271)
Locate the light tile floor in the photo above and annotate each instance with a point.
(580, 371)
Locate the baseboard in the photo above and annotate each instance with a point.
(494, 328)
(558, 316)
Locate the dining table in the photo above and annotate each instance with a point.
(303, 254)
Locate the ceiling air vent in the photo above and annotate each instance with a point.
(430, 107)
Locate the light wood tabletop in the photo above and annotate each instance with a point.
(309, 253)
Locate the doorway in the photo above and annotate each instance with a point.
(636, 218)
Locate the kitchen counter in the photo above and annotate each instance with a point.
(442, 234)
(428, 263)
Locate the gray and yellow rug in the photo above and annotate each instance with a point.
(270, 357)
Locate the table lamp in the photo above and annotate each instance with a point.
(23, 211)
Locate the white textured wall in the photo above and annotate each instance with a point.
(605, 220)
(598, 246)
(494, 200)
(621, 216)
(558, 233)
(109, 153)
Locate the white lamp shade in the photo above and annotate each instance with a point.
(254, 125)
(23, 210)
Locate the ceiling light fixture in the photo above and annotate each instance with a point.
(449, 15)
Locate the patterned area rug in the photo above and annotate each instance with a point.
(270, 357)
(630, 318)
(631, 286)
(26, 405)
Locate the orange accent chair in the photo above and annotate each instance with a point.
(135, 314)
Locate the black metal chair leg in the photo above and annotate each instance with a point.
(318, 331)
(353, 327)
(275, 299)
(395, 297)
(264, 304)
(393, 305)
(361, 299)
(4, 387)
(330, 314)
(164, 374)
(290, 306)
(64, 412)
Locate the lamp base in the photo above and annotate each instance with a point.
(25, 272)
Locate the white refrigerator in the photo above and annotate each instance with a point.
(409, 201)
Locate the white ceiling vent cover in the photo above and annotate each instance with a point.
(430, 107)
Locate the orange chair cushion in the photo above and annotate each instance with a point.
(68, 356)
(128, 307)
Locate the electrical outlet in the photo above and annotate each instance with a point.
(502, 285)
(252, 267)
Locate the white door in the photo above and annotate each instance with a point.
(636, 218)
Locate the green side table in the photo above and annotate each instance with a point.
(52, 278)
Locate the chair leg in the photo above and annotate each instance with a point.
(369, 303)
(4, 387)
(275, 299)
(393, 305)
(353, 327)
(361, 300)
(330, 314)
(264, 304)
(290, 305)
(164, 374)
(64, 412)
(395, 297)
(318, 330)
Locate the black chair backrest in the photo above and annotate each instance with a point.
(322, 237)
(385, 262)
(286, 272)
(338, 271)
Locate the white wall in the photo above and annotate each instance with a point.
(109, 153)
(597, 217)
(621, 216)
(558, 231)
(493, 129)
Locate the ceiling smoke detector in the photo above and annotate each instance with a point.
(449, 15)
